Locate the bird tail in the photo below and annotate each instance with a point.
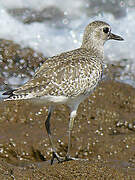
(9, 93)
(14, 95)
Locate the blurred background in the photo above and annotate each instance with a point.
(46, 28)
(104, 131)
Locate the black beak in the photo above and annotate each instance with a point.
(115, 37)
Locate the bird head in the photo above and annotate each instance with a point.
(97, 33)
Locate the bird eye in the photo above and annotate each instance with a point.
(106, 30)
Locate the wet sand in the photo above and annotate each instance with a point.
(104, 132)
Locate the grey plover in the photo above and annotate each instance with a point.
(68, 78)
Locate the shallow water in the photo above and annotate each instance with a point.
(51, 27)
(64, 24)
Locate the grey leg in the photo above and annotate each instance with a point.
(47, 125)
(71, 124)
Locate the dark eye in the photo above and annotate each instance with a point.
(106, 30)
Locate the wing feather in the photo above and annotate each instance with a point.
(68, 74)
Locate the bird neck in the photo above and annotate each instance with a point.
(95, 48)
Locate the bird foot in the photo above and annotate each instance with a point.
(64, 159)
(59, 158)
(69, 158)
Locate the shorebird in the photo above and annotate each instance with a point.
(68, 78)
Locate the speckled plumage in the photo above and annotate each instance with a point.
(69, 74)
(68, 78)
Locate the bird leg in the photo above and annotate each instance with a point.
(54, 153)
(71, 123)
(47, 125)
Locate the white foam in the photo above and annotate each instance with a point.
(51, 40)
(69, 6)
